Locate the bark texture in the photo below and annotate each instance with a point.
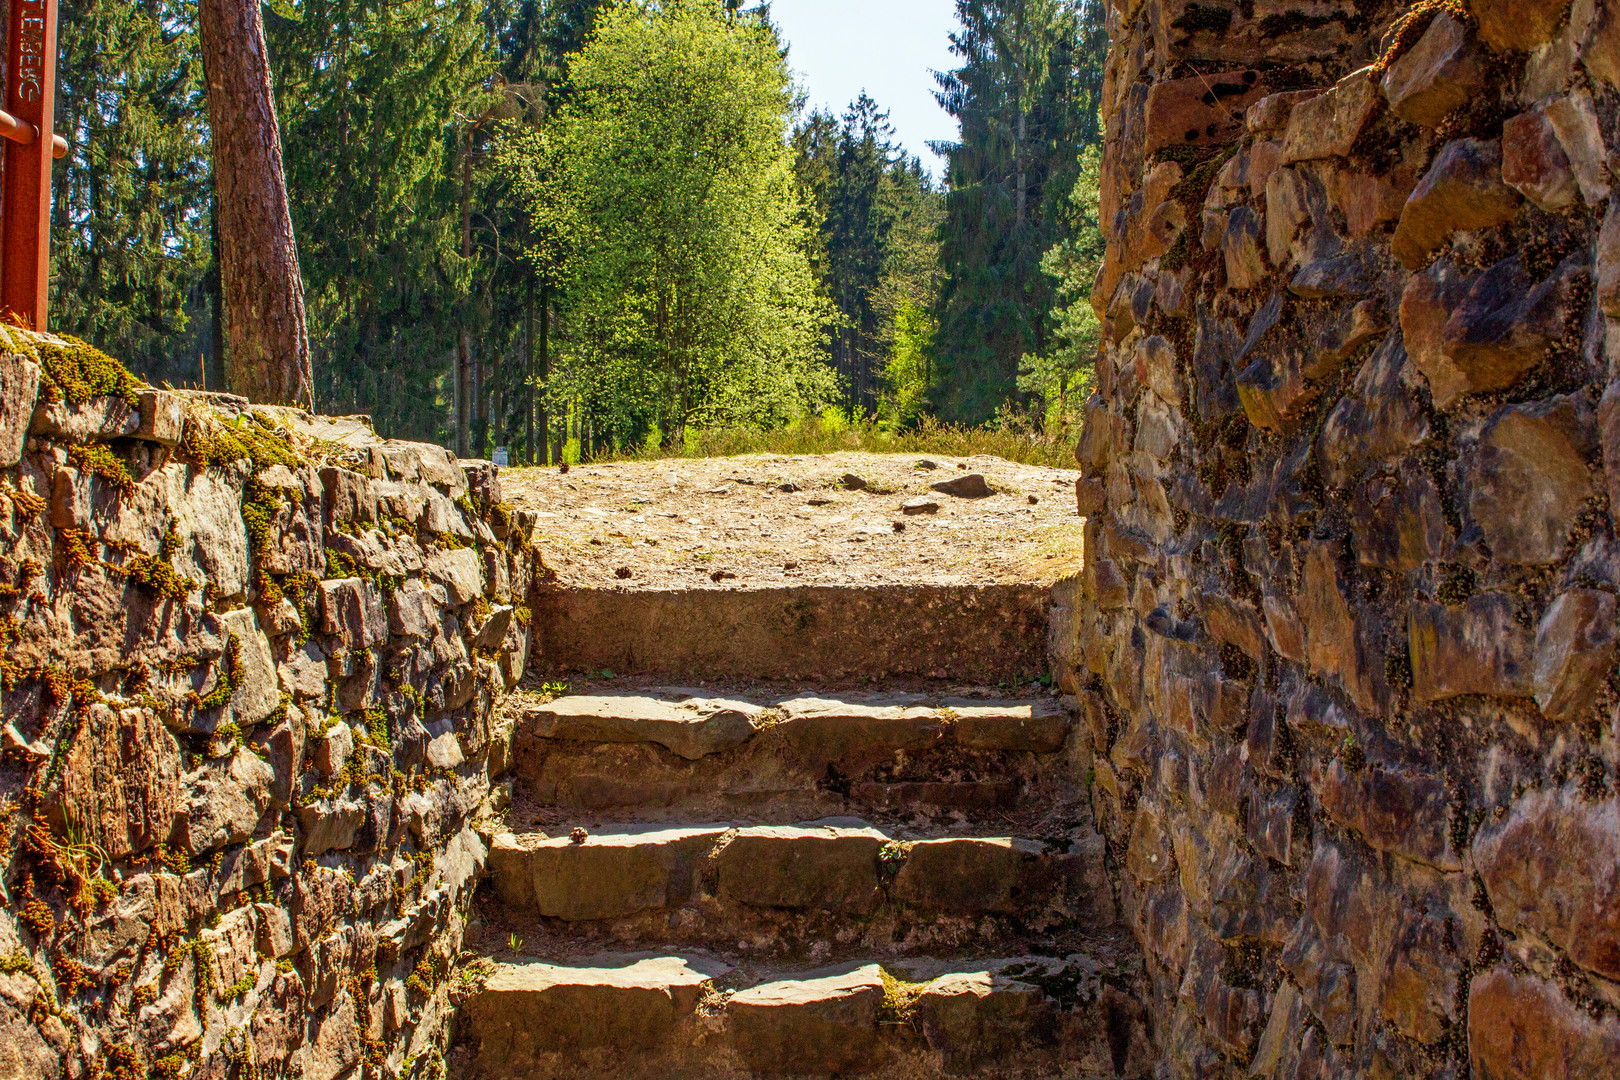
(267, 345)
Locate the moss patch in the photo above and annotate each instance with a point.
(76, 371)
(98, 459)
(230, 673)
(251, 438)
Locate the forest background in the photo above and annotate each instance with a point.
(580, 228)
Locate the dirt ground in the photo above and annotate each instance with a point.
(768, 520)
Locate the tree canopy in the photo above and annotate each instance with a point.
(599, 223)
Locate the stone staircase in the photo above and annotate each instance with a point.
(901, 884)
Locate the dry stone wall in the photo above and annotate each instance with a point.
(1347, 636)
(250, 663)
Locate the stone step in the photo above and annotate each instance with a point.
(805, 754)
(987, 633)
(679, 1015)
(725, 877)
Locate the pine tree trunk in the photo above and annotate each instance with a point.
(535, 458)
(464, 395)
(267, 344)
(545, 375)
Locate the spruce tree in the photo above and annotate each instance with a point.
(129, 221)
(1026, 98)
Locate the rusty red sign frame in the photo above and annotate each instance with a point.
(25, 215)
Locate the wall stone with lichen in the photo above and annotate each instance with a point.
(250, 663)
(1347, 638)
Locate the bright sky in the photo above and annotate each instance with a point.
(886, 47)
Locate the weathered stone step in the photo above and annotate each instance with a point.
(826, 727)
(685, 1015)
(987, 633)
(804, 755)
(722, 878)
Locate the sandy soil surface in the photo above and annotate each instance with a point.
(768, 520)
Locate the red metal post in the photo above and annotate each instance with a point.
(30, 97)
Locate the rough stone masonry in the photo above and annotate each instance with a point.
(1347, 636)
(250, 663)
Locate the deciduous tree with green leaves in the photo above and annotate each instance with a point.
(666, 186)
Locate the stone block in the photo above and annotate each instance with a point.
(612, 875)
(814, 1025)
(100, 419)
(1403, 813)
(331, 750)
(352, 611)
(1518, 25)
(829, 867)
(1548, 869)
(1575, 121)
(1438, 75)
(1037, 727)
(1338, 640)
(974, 876)
(275, 938)
(1271, 822)
(1609, 434)
(331, 824)
(19, 387)
(1329, 124)
(1521, 1027)
(229, 797)
(1240, 248)
(1342, 277)
(163, 418)
(1478, 648)
(1599, 48)
(1534, 162)
(1419, 991)
(1271, 113)
(349, 497)
(483, 480)
(976, 1018)
(693, 728)
(1204, 110)
(1427, 303)
(509, 869)
(1462, 192)
(529, 1011)
(269, 859)
(1576, 647)
(1397, 521)
(1507, 323)
(121, 780)
(1378, 421)
(1531, 480)
(1608, 262)
(437, 466)
(460, 571)
(828, 730)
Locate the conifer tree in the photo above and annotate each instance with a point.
(871, 207)
(129, 221)
(1026, 98)
(267, 345)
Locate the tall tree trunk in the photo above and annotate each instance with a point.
(545, 375)
(528, 372)
(464, 389)
(1023, 176)
(267, 344)
(214, 372)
